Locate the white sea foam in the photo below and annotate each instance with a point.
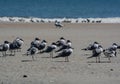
(67, 20)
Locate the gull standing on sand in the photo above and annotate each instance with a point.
(114, 48)
(92, 46)
(50, 49)
(15, 45)
(19, 42)
(42, 45)
(65, 53)
(36, 42)
(4, 47)
(96, 53)
(32, 51)
(61, 42)
(65, 46)
(58, 24)
(111, 51)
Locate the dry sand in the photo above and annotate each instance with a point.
(55, 71)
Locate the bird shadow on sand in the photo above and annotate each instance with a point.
(85, 54)
(26, 60)
(46, 57)
(4, 56)
(60, 61)
(99, 62)
(25, 54)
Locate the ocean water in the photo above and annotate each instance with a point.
(75, 9)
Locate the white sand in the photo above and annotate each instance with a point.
(55, 71)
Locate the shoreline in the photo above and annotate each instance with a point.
(52, 23)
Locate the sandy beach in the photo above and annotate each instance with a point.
(44, 70)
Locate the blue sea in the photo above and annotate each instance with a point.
(60, 9)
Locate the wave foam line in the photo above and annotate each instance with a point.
(67, 20)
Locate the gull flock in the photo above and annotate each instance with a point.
(60, 48)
